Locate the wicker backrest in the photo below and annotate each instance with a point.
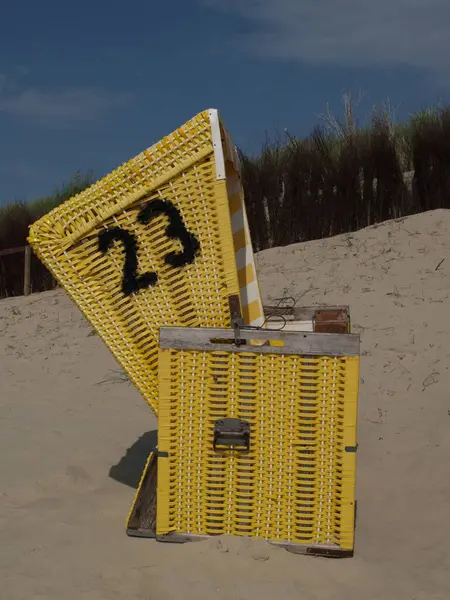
(153, 244)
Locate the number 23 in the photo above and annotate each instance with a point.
(176, 230)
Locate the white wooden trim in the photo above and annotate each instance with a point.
(217, 143)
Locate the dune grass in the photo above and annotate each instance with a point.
(340, 178)
(15, 219)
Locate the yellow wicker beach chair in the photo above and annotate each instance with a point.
(255, 441)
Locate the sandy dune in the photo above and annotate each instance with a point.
(67, 419)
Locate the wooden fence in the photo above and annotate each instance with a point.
(27, 265)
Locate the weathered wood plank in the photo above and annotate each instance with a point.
(27, 272)
(9, 251)
(205, 339)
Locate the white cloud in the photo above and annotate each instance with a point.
(363, 33)
(61, 106)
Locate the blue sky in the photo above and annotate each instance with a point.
(88, 85)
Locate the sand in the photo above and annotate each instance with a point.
(67, 419)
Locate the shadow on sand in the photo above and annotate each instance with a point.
(130, 467)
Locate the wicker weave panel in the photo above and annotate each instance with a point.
(297, 483)
(177, 174)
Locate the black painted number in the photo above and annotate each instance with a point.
(176, 229)
(131, 281)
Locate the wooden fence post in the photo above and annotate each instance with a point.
(27, 272)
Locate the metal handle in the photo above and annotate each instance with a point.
(234, 434)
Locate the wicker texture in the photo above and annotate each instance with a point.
(83, 244)
(297, 483)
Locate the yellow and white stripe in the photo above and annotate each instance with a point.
(228, 167)
(252, 307)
